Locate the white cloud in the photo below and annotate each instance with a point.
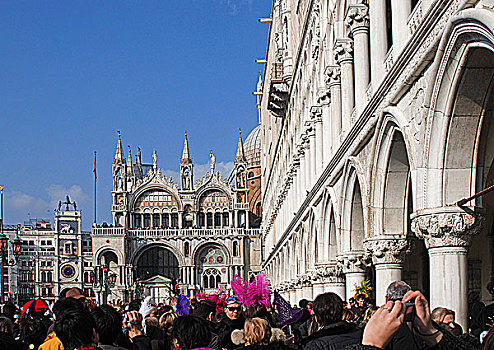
(236, 5)
(20, 206)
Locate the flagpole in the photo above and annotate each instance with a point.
(94, 171)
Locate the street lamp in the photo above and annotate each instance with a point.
(4, 251)
(105, 283)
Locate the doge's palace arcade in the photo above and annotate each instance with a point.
(375, 123)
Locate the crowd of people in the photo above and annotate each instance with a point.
(405, 321)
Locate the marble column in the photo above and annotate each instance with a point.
(316, 116)
(328, 278)
(447, 233)
(293, 295)
(378, 39)
(352, 265)
(307, 288)
(357, 19)
(333, 83)
(323, 98)
(318, 287)
(299, 293)
(388, 253)
(311, 132)
(344, 56)
(400, 10)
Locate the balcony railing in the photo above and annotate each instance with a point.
(189, 232)
(242, 206)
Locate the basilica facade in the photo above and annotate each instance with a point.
(191, 235)
(376, 141)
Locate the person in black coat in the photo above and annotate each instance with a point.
(232, 319)
(331, 332)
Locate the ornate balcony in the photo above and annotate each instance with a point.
(171, 232)
(278, 92)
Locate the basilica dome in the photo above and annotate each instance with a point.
(252, 147)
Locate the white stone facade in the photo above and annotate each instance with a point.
(375, 121)
(194, 235)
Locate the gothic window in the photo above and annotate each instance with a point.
(43, 276)
(156, 220)
(166, 220)
(211, 279)
(49, 276)
(137, 220)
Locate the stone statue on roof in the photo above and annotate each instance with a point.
(213, 160)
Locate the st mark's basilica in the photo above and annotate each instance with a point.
(194, 234)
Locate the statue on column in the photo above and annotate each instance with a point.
(155, 161)
(213, 160)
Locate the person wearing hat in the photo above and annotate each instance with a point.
(230, 320)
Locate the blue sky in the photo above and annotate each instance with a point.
(72, 73)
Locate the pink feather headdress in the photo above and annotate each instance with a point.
(256, 292)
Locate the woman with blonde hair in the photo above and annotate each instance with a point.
(258, 335)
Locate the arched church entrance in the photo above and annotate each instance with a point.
(157, 270)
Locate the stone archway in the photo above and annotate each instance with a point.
(157, 260)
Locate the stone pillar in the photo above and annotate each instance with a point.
(388, 253)
(307, 288)
(400, 10)
(316, 116)
(378, 39)
(323, 98)
(333, 82)
(352, 265)
(358, 20)
(293, 295)
(344, 56)
(311, 133)
(328, 278)
(318, 288)
(299, 293)
(447, 233)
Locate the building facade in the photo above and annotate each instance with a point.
(52, 259)
(375, 124)
(194, 235)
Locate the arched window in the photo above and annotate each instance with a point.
(49, 276)
(43, 276)
(200, 219)
(235, 249)
(175, 220)
(186, 249)
(211, 279)
(217, 219)
(225, 219)
(209, 219)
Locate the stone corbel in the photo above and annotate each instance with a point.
(388, 249)
(332, 76)
(323, 96)
(316, 114)
(447, 226)
(343, 50)
(352, 262)
(357, 18)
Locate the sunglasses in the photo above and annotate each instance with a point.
(233, 309)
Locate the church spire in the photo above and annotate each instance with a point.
(240, 148)
(130, 166)
(119, 154)
(186, 153)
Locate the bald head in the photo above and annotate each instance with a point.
(75, 293)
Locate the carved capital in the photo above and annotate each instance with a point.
(447, 226)
(332, 76)
(388, 250)
(357, 18)
(316, 114)
(343, 50)
(323, 96)
(327, 274)
(352, 262)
